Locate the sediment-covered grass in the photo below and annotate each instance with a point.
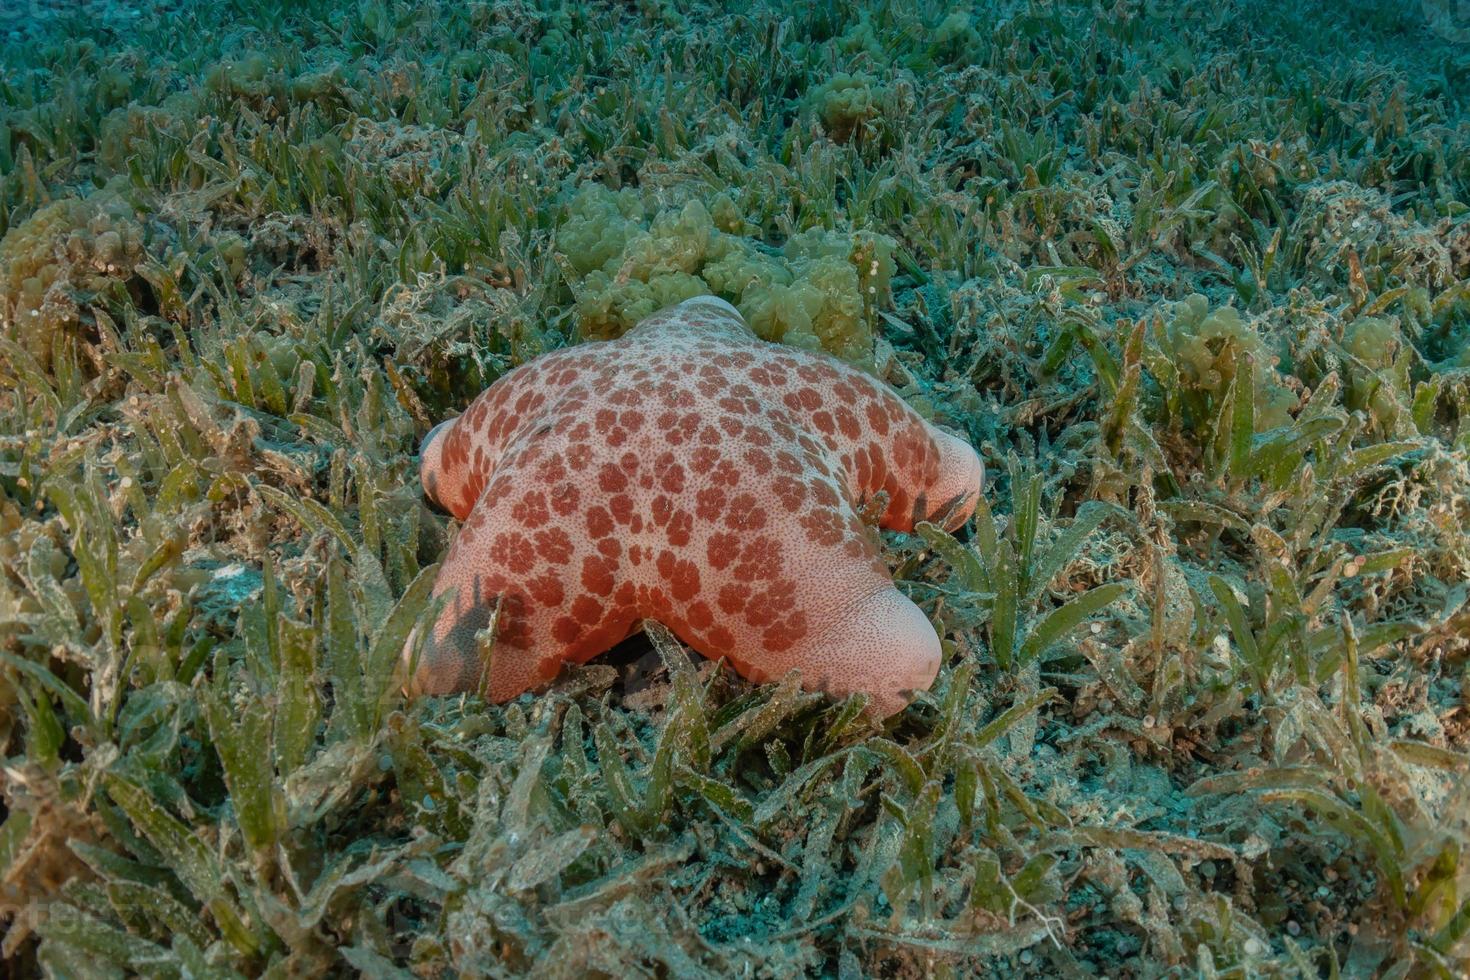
(1194, 278)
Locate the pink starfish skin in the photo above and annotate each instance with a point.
(691, 474)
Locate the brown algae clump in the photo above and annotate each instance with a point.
(818, 292)
(1205, 347)
(845, 103)
(835, 282)
(1373, 344)
(67, 255)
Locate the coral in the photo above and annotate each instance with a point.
(1372, 340)
(861, 37)
(957, 30)
(635, 271)
(838, 280)
(248, 77)
(597, 227)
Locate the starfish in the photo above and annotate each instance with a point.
(692, 474)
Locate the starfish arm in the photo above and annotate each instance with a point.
(707, 317)
(952, 495)
(805, 589)
(458, 456)
(926, 473)
(878, 441)
(883, 646)
(512, 560)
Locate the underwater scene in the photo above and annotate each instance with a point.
(773, 489)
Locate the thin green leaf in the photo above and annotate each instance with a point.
(1351, 823)
(1064, 549)
(1063, 619)
(310, 514)
(1003, 722)
(963, 561)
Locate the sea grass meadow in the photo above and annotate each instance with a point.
(1194, 278)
